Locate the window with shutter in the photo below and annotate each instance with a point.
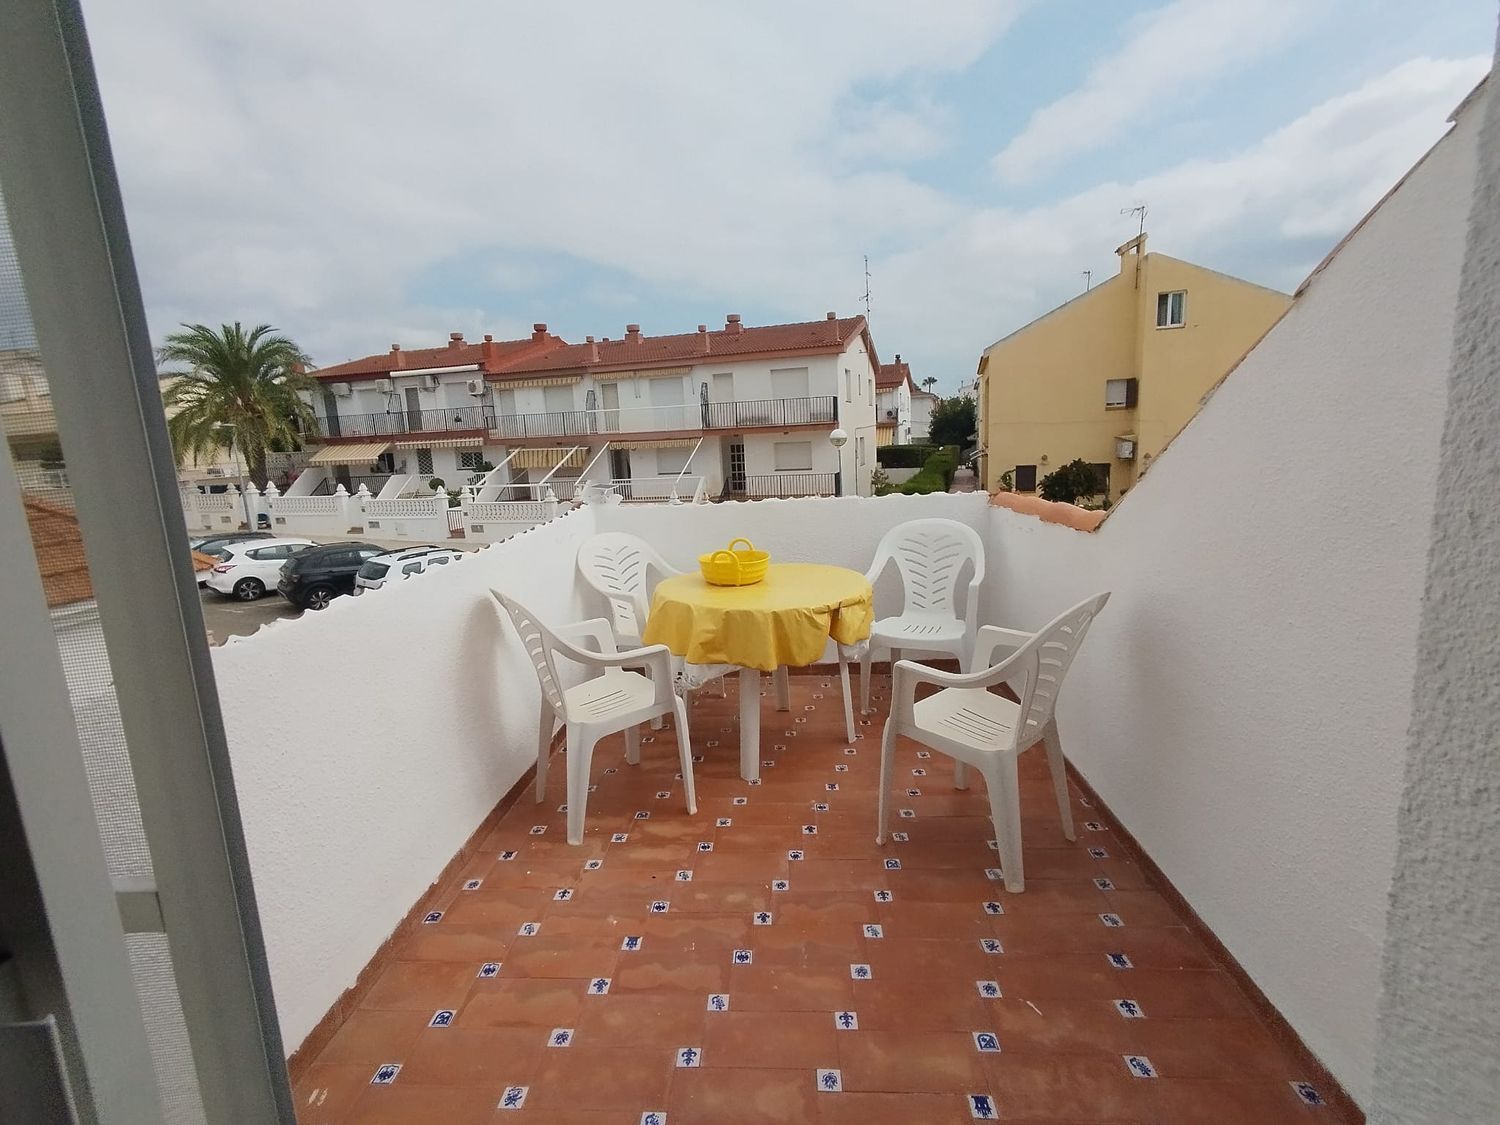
(1025, 478)
(1171, 309)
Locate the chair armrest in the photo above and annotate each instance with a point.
(656, 658)
(992, 637)
(596, 629)
(908, 674)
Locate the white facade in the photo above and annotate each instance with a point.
(893, 413)
(922, 403)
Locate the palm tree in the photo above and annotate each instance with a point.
(244, 387)
(929, 382)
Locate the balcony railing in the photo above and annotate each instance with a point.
(394, 423)
(768, 485)
(769, 412)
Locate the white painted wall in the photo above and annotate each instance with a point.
(1242, 703)
(369, 740)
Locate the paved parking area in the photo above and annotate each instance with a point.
(229, 617)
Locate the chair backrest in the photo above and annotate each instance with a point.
(930, 554)
(617, 565)
(1042, 662)
(539, 642)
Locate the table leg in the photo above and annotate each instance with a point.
(783, 680)
(749, 723)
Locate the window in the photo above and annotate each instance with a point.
(469, 459)
(263, 554)
(438, 560)
(557, 399)
(1171, 309)
(424, 462)
(860, 446)
(414, 567)
(793, 456)
(1120, 393)
(1025, 478)
(1101, 475)
(670, 462)
(848, 385)
(789, 382)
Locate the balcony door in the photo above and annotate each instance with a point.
(413, 410)
(667, 399)
(609, 401)
(331, 413)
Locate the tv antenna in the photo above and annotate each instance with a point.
(1088, 280)
(866, 296)
(1138, 210)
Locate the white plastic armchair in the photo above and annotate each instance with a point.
(930, 555)
(611, 700)
(976, 727)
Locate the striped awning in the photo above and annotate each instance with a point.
(550, 458)
(440, 443)
(884, 436)
(353, 453)
(555, 381)
(661, 443)
(656, 373)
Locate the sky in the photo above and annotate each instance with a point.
(361, 174)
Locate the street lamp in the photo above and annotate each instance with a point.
(838, 439)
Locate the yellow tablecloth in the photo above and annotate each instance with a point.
(787, 619)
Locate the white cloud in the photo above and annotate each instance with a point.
(1168, 52)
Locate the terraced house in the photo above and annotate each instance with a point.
(737, 412)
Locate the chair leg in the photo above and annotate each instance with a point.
(887, 754)
(633, 744)
(1059, 767)
(543, 750)
(580, 755)
(848, 698)
(723, 687)
(864, 682)
(783, 681)
(960, 775)
(685, 755)
(1005, 811)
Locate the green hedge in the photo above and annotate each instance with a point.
(936, 474)
(904, 456)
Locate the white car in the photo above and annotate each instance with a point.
(248, 569)
(414, 560)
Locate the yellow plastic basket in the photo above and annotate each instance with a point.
(731, 567)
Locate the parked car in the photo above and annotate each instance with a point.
(414, 560)
(209, 545)
(312, 578)
(248, 568)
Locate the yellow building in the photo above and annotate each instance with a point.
(1113, 374)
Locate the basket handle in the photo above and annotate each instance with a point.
(734, 558)
(749, 546)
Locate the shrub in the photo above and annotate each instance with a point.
(1071, 483)
(904, 456)
(936, 474)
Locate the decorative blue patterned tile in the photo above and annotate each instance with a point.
(595, 788)
(892, 864)
(841, 768)
(443, 1017)
(924, 753)
(871, 930)
(1104, 884)
(913, 792)
(560, 1037)
(632, 943)
(1093, 826)
(831, 786)
(742, 957)
(564, 894)
(918, 771)
(1098, 853)
(982, 1108)
(612, 769)
(993, 845)
(861, 972)
(705, 845)
(1308, 1093)
(884, 896)
(643, 815)
(761, 918)
(473, 884)
(1119, 961)
(683, 876)
(538, 830)
(768, 762)
(991, 945)
(988, 989)
(658, 907)
(800, 719)
(994, 874)
(754, 781)
(986, 1042)
(820, 806)
(723, 822)
(739, 800)
(619, 837)
(508, 855)
(900, 837)
(830, 1082)
(718, 1002)
(846, 1021)
(677, 776)
(513, 1097)
(712, 743)
(562, 808)
(809, 830)
(1129, 1009)
(1085, 802)
(690, 1057)
(851, 751)
(809, 706)
(697, 757)
(780, 885)
(795, 854)
(592, 864)
(1139, 1065)
(432, 917)
(1113, 921)
(994, 908)
(599, 986)
(489, 969)
(663, 794)
(654, 1117)
(778, 747)
(385, 1074)
(907, 814)
(529, 929)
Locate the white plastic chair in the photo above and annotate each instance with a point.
(618, 566)
(930, 554)
(978, 728)
(611, 700)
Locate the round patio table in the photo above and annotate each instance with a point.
(784, 621)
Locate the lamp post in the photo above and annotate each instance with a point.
(838, 439)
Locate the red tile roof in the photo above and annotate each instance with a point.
(894, 374)
(58, 543)
(491, 355)
(733, 341)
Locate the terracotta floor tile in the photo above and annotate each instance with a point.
(398, 1104)
(419, 986)
(588, 1076)
(1187, 1101)
(785, 1040)
(369, 1038)
(1211, 1048)
(1193, 993)
(653, 970)
(658, 1021)
(899, 1062)
(461, 1056)
(1094, 1088)
(790, 989)
(707, 1096)
(531, 1002)
(1069, 1027)
(327, 1093)
(855, 1108)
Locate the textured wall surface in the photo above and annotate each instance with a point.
(1243, 702)
(1439, 1052)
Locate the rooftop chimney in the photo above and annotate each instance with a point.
(488, 347)
(489, 338)
(396, 353)
(633, 333)
(539, 332)
(455, 339)
(732, 324)
(898, 357)
(593, 349)
(833, 316)
(703, 339)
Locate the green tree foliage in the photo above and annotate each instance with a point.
(953, 421)
(1071, 483)
(935, 475)
(250, 381)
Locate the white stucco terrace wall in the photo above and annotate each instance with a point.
(1242, 704)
